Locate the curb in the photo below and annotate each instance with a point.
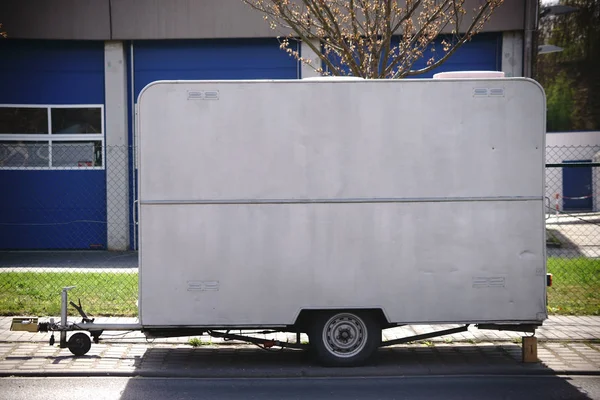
(303, 373)
(231, 343)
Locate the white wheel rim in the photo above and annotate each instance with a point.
(345, 335)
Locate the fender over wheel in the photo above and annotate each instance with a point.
(345, 338)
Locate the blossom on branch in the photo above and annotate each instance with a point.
(375, 38)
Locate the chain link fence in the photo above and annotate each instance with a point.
(67, 219)
(573, 229)
(77, 211)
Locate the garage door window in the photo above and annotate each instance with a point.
(51, 137)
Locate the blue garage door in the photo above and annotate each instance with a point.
(211, 59)
(482, 53)
(207, 59)
(51, 145)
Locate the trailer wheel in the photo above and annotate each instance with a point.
(345, 339)
(79, 344)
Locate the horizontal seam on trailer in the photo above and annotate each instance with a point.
(342, 200)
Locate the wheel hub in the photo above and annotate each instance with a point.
(345, 335)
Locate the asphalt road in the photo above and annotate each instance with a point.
(424, 387)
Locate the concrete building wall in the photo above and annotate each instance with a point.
(56, 19)
(571, 139)
(171, 19)
(112, 23)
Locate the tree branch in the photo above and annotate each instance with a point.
(467, 36)
(387, 38)
(360, 32)
(417, 36)
(347, 52)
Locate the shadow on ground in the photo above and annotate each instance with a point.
(558, 241)
(416, 387)
(448, 372)
(249, 362)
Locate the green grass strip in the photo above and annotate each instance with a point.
(575, 291)
(38, 293)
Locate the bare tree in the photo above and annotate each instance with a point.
(374, 38)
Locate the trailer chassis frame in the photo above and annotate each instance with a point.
(80, 343)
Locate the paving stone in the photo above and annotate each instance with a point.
(132, 352)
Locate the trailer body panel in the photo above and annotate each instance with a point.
(422, 198)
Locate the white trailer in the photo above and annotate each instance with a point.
(340, 208)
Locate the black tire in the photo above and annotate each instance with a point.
(344, 338)
(79, 344)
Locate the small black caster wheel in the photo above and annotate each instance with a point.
(79, 344)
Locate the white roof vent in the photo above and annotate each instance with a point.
(469, 74)
(333, 78)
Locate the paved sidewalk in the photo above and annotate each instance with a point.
(567, 345)
(179, 360)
